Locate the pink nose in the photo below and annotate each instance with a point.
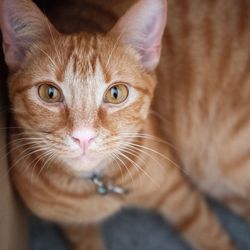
(84, 137)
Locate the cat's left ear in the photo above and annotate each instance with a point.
(22, 25)
(142, 28)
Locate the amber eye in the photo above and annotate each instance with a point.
(49, 93)
(116, 94)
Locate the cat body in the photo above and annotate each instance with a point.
(206, 65)
(202, 95)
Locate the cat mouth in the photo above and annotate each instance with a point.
(85, 158)
(85, 163)
(88, 158)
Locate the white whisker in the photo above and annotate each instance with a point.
(127, 169)
(140, 168)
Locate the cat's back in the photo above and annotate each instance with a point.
(204, 88)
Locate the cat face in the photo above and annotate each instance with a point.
(82, 97)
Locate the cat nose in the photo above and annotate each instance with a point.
(84, 137)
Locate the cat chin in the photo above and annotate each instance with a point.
(85, 164)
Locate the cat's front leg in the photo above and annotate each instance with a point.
(188, 211)
(84, 237)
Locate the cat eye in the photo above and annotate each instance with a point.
(116, 94)
(49, 93)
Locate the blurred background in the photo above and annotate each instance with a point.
(130, 229)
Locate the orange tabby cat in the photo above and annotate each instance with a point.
(85, 143)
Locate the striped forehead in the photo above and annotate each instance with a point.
(84, 77)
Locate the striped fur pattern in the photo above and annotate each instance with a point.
(206, 64)
(191, 133)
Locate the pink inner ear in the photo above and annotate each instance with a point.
(154, 31)
(12, 49)
(152, 42)
(151, 57)
(14, 54)
(142, 27)
(22, 24)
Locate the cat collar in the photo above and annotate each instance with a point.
(104, 188)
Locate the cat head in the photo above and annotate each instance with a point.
(81, 97)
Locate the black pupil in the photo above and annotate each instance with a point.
(51, 92)
(115, 92)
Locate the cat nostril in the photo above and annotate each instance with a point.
(83, 137)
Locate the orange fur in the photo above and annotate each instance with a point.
(201, 105)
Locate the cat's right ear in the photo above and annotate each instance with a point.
(22, 25)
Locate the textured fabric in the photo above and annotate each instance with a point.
(139, 230)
